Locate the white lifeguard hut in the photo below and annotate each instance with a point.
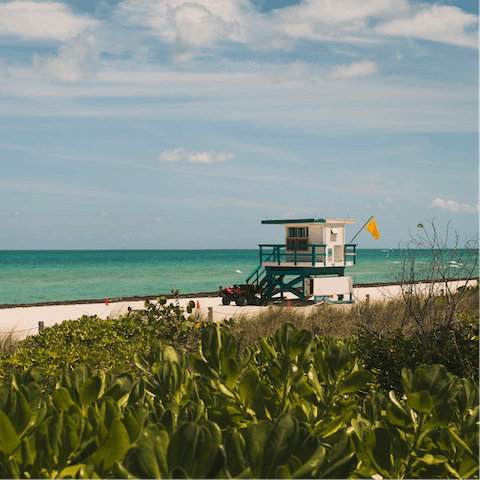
(314, 253)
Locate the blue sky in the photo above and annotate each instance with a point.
(172, 124)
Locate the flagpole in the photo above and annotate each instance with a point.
(360, 230)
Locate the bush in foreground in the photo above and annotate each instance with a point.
(289, 408)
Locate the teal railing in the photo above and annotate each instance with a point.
(311, 254)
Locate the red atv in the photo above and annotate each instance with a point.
(244, 294)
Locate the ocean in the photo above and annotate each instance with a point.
(30, 276)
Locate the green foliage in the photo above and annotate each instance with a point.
(289, 408)
(105, 344)
(456, 346)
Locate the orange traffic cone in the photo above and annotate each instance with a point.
(106, 301)
(288, 304)
(198, 304)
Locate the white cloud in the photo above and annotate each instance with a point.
(298, 70)
(356, 69)
(193, 24)
(389, 200)
(196, 26)
(334, 18)
(439, 23)
(104, 214)
(76, 60)
(452, 206)
(183, 156)
(30, 19)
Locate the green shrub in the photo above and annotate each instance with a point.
(456, 346)
(286, 409)
(105, 344)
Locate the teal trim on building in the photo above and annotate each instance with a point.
(301, 220)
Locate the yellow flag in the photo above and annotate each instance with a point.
(372, 228)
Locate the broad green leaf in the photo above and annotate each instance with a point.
(231, 370)
(80, 375)
(9, 440)
(201, 366)
(337, 356)
(407, 380)
(211, 345)
(88, 392)
(433, 379)
(206, 449)
(178, 472)
(71, 472)
(235, 452)
(255, 436)
(331, 427)
(142, 459)
(468, 467)
(281, 472)
(457, 440)
(62, 399)
(113, 448)
(138, 392)
(267, 350)
(429, 459)
(69, 438)
(183, 446)
(300, 346)
(280, 443)
(283, 336)
(309, 469)
(170, 355)
(132, 427)
(378, 448)
(353, 382)
(23, 413)
(247, 387)
(420, 401)
(229, 348)
(169, 420)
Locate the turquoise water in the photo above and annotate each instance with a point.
(67, 275)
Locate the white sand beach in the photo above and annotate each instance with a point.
(25, 320)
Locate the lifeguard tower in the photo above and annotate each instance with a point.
(312, 261)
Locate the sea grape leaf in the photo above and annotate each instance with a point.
(9, 440)
(420, 401)
(247, 387)
(80, 375)
(62, 400)
(354, 381)
(300, 346)
(235, 452)
(231, 370)
(23, 413)
(378, 448)
(283, 335)
(206, 449)
(255, 436)
(88, 392)
(309, 468)
(211, 345)
(279, 444)
(337, 356)
(113, 448)
(142, 459)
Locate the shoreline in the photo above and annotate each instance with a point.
(138, 298)
(26, 320)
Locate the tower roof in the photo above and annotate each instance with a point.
(308, 220)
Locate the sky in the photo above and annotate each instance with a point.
(165, 124)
